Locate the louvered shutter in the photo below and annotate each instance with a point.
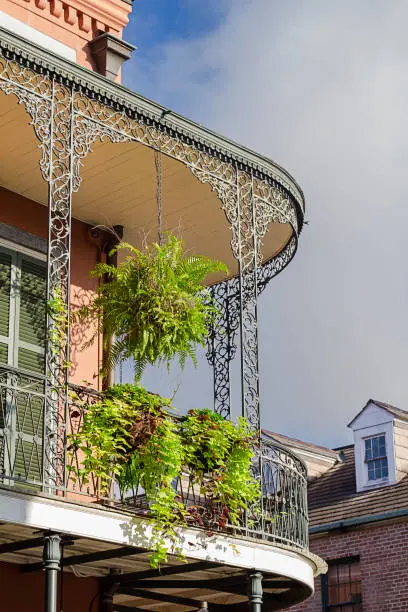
(31, 311)
(5, 285)
(5, 291)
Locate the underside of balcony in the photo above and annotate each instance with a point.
(105, 544)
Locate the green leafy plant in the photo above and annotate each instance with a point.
(128, 437)
(153, 304)
(131, 437)
(218, 453)
(58, 331)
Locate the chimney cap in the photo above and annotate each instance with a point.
(109, 53)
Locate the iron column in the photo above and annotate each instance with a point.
(51, 560)
(255, 591)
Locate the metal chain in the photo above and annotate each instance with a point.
(159, 192)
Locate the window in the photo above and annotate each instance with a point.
(22, 311)
(376, 458)
(22, 346)
(341, 586)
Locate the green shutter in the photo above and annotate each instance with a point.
(32, 316)
(31, 345)
(22, 345)
(5, 284)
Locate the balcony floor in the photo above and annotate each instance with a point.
(100, 540)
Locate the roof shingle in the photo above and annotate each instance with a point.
(333, 496)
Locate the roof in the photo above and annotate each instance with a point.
(294, 444)
(397, 412)
(333, 496)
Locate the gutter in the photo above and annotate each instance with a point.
(360, 520)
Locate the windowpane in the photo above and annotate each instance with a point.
(377, 469)
(375, 447)
(368, 453)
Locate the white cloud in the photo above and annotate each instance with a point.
(322, 87)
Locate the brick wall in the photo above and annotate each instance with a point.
(383, 552)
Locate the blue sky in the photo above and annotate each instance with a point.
(322, 88)
(154, 24)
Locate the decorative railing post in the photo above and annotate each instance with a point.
(60, 178)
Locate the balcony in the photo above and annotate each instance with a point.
(280, 521)
(97, 155)
(283, 519)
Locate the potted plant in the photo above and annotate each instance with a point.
(218, 455)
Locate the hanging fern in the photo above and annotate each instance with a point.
(153, 304)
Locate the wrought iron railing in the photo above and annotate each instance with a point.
(281, 517)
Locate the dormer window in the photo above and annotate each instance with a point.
(376, 458)
(380, 434)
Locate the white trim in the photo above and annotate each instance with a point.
(15, 26)
(360, 435)
(18, 248)
(119, 528)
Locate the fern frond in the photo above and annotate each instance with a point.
(154, 304)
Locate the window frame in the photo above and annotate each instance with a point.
(386, 428)
(373, 459)
(326, 605)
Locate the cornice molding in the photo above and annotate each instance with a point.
(109, 12)
(134, 104)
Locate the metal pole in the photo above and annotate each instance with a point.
(52, 560)
(255, 591)
(108, 589)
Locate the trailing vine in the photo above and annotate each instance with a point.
(131, 437)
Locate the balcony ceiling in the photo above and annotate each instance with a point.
(219, 584)
(119, 188)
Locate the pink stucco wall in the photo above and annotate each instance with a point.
(72, 22)
(25, 592)
(32, 217)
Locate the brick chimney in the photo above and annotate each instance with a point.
(76, 23)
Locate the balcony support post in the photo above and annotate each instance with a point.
(108, 589)
(248, 255)
(60, 173)
(248, 297)
(52, 565)
(255, 591)
(221, 344)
